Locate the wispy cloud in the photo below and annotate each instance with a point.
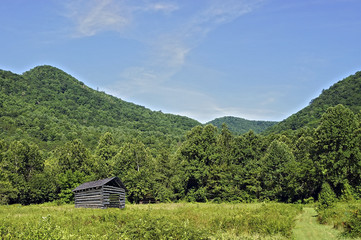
(221, 12)
(170, 49)
(169, 45)
(93, 16)
(176, 45)
(166, 7)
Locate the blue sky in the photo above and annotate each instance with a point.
(256, 59)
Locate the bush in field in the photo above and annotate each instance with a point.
(353, 224)
(326, 198)
(309, 200)
(343, 216)
(347, 193)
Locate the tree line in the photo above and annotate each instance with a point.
(207, 164)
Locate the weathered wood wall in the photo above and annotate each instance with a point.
(101, 197)
(90, 198)
(113, 197)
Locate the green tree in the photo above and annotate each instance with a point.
(167, 177)
(23, 159)
(75, 156)
(7, 192)
(307, 175)
(225, 144)
(337, 154)
(326, 198)
(105, 151)
(278, 173)
(198, 152)
(132, 165)
(347, 193)
(248, 148)
(67, 181)
(21, 164)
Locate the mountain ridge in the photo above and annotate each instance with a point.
(241, 125)
(345, 92)
(51, 93)
(47, 106)
(61, 95)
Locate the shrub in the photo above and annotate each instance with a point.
(326, 198)
(353, 224)
(309, 200)
(347, 193)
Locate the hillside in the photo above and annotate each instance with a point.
(345, 92)
(240, 125)
(48, 104)
(56, 133)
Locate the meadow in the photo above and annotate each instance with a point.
(157, 221)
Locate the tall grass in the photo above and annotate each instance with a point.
(345, 216)
(159, 221)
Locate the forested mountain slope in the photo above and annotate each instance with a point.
(49, 104)
(346, 92)
(240, 125)
(56, 133)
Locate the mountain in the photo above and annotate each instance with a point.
(346, 92)
(48, 104)
(239, 125)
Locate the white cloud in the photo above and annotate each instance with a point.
(140, 80)
(220, 12)
(173, 47)
(152, 83)
(93, 16)
(166, 7)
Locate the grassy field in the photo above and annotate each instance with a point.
(307, 227)
(158, 221)
(343, 216)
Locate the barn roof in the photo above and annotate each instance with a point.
(99, 183)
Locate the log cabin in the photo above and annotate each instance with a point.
(104, 193)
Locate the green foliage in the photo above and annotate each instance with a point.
(240, 126)
(105, 151)
(56, 133)
(133, 165)
(353, 224)
(307, 174)
(309, 200)
(161, 221)
(337, 155)
(345, 92)
(23, 158)
(326, 198)
(7, 192)
(22, 168)
(67, 181)
(278, 168)
(343, 216)
(347, 194)
(44, 97)
(74, 156)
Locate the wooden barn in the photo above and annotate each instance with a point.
(104, 193)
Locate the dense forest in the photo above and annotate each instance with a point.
(47, 106)
(57, 133)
